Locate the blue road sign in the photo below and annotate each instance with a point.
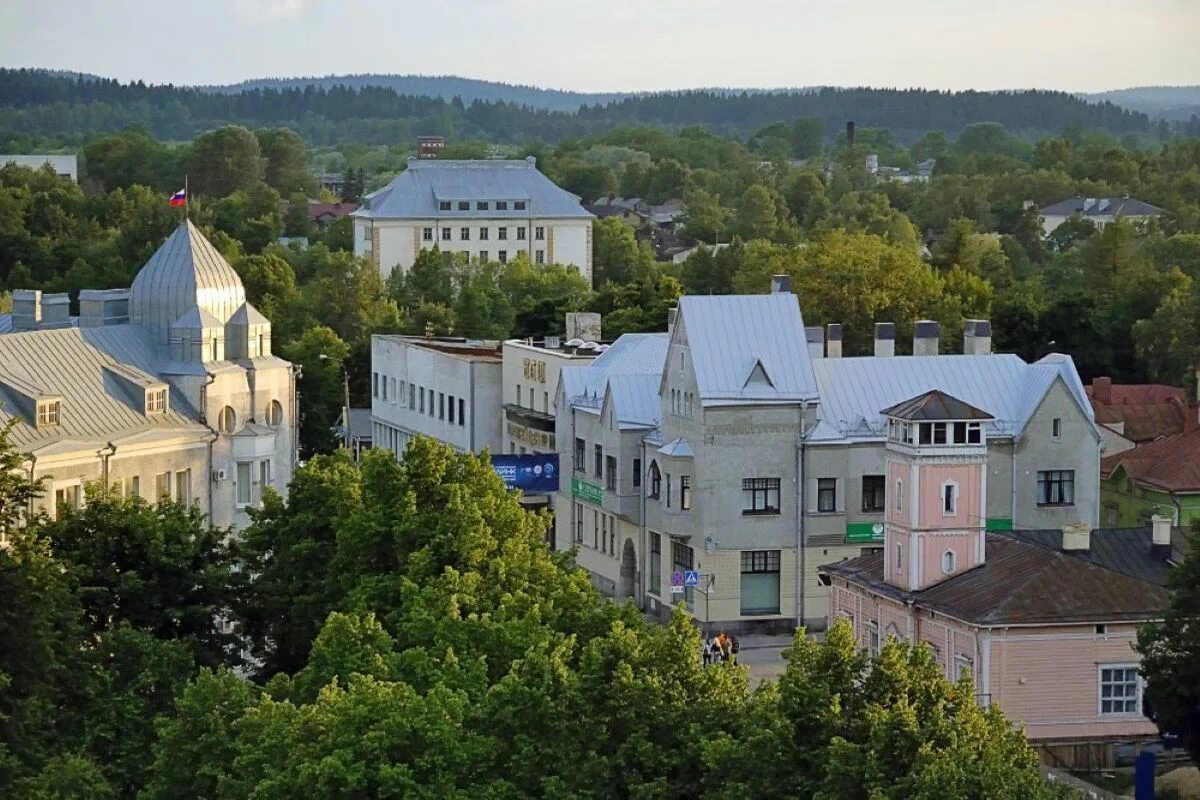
(691, 578)
(677, 579)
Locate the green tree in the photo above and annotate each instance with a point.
(758, 213)
(225, 160)
(322, 354)
(616, 251)
(807, 133)
(286, 161)
(295, 218)
(703, 218)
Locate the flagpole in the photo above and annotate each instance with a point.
(187, 207)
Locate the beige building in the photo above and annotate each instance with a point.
(166, 389)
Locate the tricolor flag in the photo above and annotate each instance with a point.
(178, 199)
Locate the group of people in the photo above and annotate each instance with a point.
(721, 647)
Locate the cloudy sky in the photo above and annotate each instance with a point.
(1082, 45)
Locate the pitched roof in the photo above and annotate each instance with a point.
(1144, 411)
(1021, 583)
(635, 400)
(855, 390)
(633, 354)
(1124, 550)
(1100, 207)
(731, 335)
(318, 210)
(1171, 463)
(416, 192)
(935, 405)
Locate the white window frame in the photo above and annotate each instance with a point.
(156, 401)
(960, 662)
(873, 641)
(949, 560)
(899, 558)
(953, 510)
(899, 494)
(1137, 698)
(1056, 428)
(249, 489)
(49, 413)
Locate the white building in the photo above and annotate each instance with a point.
(65, 166)
(1098, 210)
(166, 389)
(491, 210)
(447, 390)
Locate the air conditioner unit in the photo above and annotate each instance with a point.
(219, 475)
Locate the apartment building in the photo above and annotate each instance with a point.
(489, 210)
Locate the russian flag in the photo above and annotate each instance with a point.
(178, 199)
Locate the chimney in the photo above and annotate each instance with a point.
(833, 340)
(977, 337)
(671, 312)
(99, 307)
(816, 341)
(1160, 535)
(26, 309)
(781, 284)
(885, 339)
(1077, 537)
(1102, 390)
(56, 310)
(925, 337)
(850, 133)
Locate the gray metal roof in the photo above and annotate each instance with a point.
(855, 390)
(416, 192)
(185, 273)
(635, 400)
(1100, 207)
(634, 354)
(748, 348)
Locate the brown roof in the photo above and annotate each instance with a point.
(1020, 583)
(1147, 410)
(318, 210)
(935, 405)
(1171, 464)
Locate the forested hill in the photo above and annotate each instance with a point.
(40, 106)
(1167, 102)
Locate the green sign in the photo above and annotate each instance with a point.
(864, 532)
(999, 524)
(585, 491)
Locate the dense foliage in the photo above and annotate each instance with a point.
(410, 635)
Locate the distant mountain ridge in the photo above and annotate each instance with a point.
(1167, 102)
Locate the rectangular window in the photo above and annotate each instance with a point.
(637, 472)
(872, 492)
(939, 433)
(444, 205)
(580, 455)
(668, 489)
(384, 388)
(68, 496)
(539, 257)
(162, 486)
(156, 401)
(873, 638)
(481, 205)
(539, 233)
(374, 384)
(949, 499)
(392, 383)
(760, 495)
(450, 410)
(683, 559)
(412, 395)
(1120, 689)
(595, 530)
(421, 410)
(826, 495)
(130, 487)
(655, 564)
(610, 473)
(974, 433)
(899, 558)
(599, 471)
(502, 233)
(441, 405)
(518, 205)
(685, 492)
(521, 233)
(244, 495)
(183, 487)
(964, 667)
(1056, 427)
(502, 205)
(483, 234)
(899, 494)
(604, 533)
(445, 234)
(427, 234)
(264, 475)
(502, 256)
(1056, 487)
(464, 205)
(464, 234)
(483, 256)
(48, 412)
(579, 523)
(760, 582)
(462, 418)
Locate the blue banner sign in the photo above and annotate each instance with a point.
(532, 474)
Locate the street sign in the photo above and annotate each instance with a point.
(691, 578)
(676, 590)
(677, 579)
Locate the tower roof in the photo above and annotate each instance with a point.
(935, 406)
(187, 272)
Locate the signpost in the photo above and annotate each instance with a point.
(676, 582)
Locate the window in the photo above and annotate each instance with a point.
(826, 495)
(462, 418)
(502, 233)
(1120, 689)
(213, 357)
(48, 412)
(67, 496)
(655, 563)
(580, 455)
(183, 487)
(531, 397)
(130, 487)
(1101, 630)
(610, 473)
(637, 472)
(502, 256)
(445, 234)
(899, 494)
(243, 484)
(156, 401)
(1056, 427)
(483, 234)
(604, 533)
(481, 205)
(685, 492)
(264, 474)
(873, 638)
(949, 499)
(655, 480)
(162, 486)
(518, 205)
(483, 256)
(939, 433)
(683, 559)
(521, 232)
(872, 493)
(948, 562)
(274, 414)
(226, 420)
(441, 405)
(464, 234)
(899, 559)
(760, 582)
(668, 489)
(450, 410)
(385, 385)
(760, 495)
(464, 205)
(1056, 487)
(539, 233)
(595, 530)
(539, 257)
(502, 205)
(421, 410)
(412, 395)
(427, 234)
(444, 205)
(579, 523)
(599, 464)
(964, 667)
(517, 392)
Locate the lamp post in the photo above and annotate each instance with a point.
(345, 403)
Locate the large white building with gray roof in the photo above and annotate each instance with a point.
(489, 210)
(763, 457)
(166, 389)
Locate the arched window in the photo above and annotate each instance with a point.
(274, 414)
(948, 562)
(655, 480)
(227, 420)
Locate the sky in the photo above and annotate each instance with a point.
(621, 45)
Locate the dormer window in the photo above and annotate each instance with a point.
(48, 412)
(502, 205)
(156, 401)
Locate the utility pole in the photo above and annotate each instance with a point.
(346, 407)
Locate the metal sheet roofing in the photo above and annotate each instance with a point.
(1124, 550)
(417, 192)
(731, 336)
(1171, 463)
(1100, 206)
(855, 390)
(634, 354)
(635, 400)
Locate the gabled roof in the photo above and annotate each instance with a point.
(729, 335)
(417, 192)
(631, 354)
(933, 406)
(1100, 207)
(1171, 464)
(854, 390)
(249, 315)
(1144, 411)
(677, 448)
(635, 400)
(196, 318)
(1021, 583)
(1124, 550)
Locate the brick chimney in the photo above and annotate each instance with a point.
(1102, 390)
